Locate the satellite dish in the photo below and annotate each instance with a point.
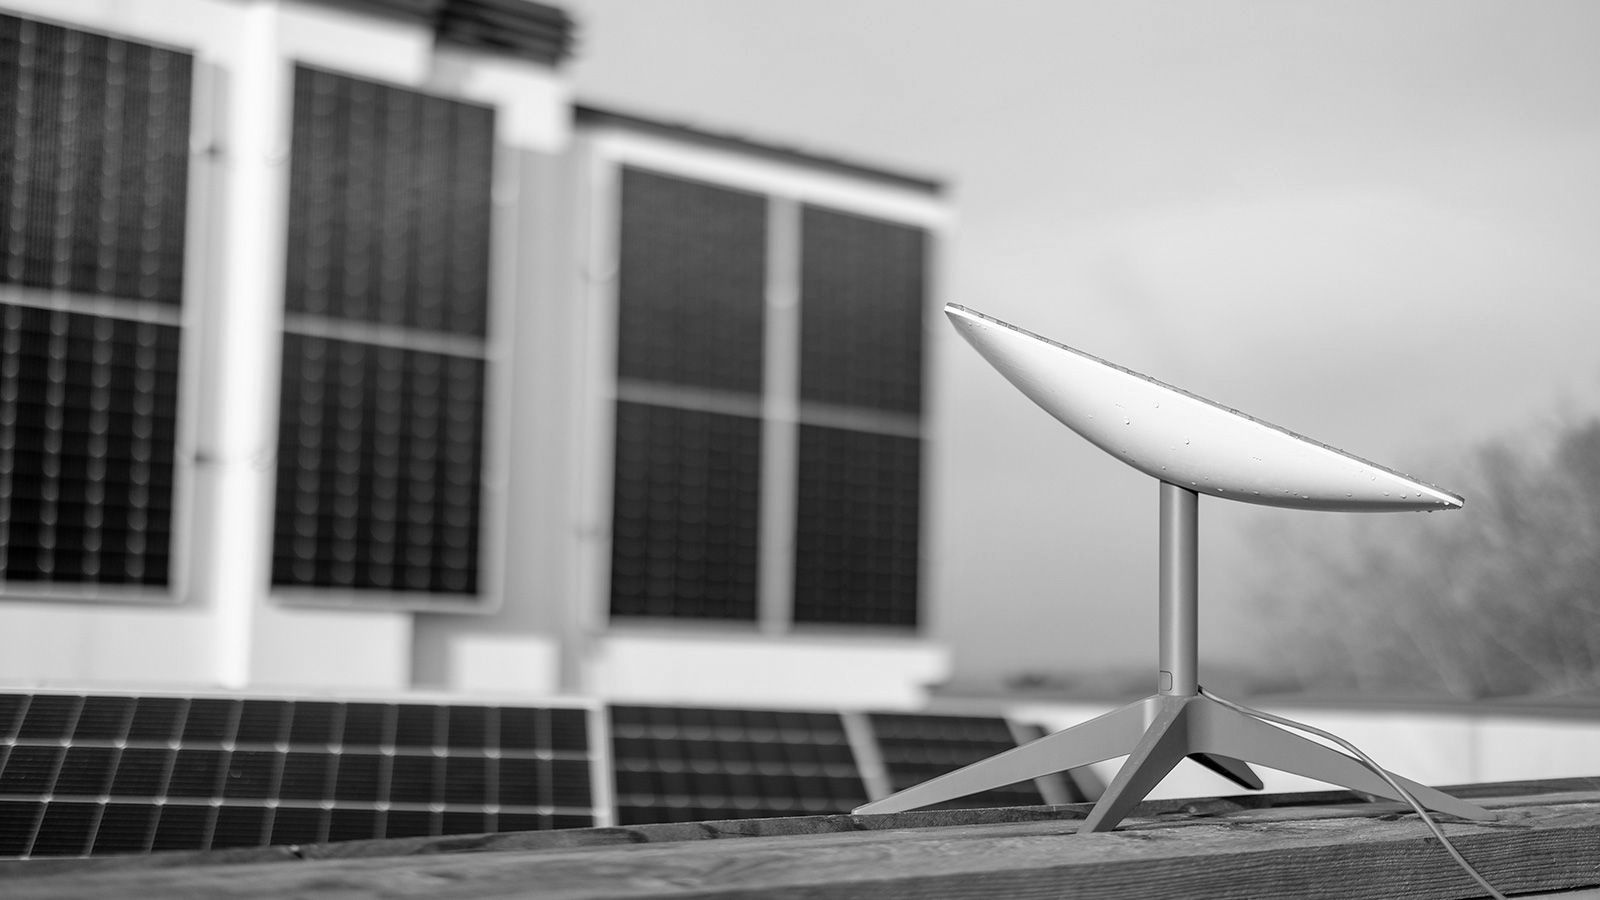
(1178, 437)
(1191, 446)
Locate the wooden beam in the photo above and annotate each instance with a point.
(1546, 837)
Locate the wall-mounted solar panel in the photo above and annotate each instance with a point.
(691, 288)
(862, 299)
(686, 501)
(388, 205)
(94, 151)
(681, 764)
(857, 528)
(94, 145)
(380, 451)
(385, 355)
(119, 774)
(917, 747)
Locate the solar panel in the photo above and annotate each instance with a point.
(381, 418)
(388, 205)
(116, 774)
(680, 764)
(856, 534)
(94, 144)
(88, 422)
(691, 283)
(379, 468)
(862, 289)
(686, 503)
(917, 747)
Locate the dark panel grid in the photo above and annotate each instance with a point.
(379, 457)
(94, 146)
(916, 748)
(691, 285)
(862, 291)
(169, 773)
(88, 411)
(388, 205)
(856, 538)
(686, 502)
(681, 765)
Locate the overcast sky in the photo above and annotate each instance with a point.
(1375, 223)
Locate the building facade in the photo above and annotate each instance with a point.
(345, 352)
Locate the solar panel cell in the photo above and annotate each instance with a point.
(307, 776)
(103, 719)
(30, 770)
(210, 721)
(86, 772)
(183, 827)
(410, 823)
(360, 777)
(156, 718)
(314, 724)
(262, 722)
(50, 717)
(142, 772)
(124, 828)
(414, 779)
(252, 773)
(240, 826)
(197, 773)
(297, 825)
(18, 822)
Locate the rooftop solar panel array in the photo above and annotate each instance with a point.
(94, 146)
(98, 774)
(114, 774)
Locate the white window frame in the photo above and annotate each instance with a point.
(604, 149)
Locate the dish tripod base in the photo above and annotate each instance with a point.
(1156, 733)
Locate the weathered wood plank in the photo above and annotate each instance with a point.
(1320, 804)
(1358, 851)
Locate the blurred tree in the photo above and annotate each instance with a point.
(1500, 599)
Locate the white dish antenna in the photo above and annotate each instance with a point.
(1185, 440)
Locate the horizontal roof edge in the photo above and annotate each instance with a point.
(584, 113)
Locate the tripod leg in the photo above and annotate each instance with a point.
(1099, 738)
(1232, 769)
(1164, 745)
(1220, 730)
